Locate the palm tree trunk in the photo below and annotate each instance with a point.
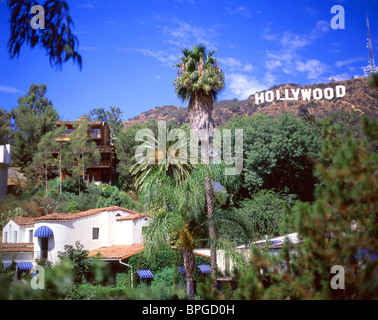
(189, 264)
(212, 231)
(201, 117)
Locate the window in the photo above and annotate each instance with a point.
(95, 233)
(15, 236)
(30, 235)
(5, 237)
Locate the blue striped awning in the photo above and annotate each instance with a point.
(6, 265)
(205, 268)
(145, 274)
(43, 232)
(181, 270)
(24, 265)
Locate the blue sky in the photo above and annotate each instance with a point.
(129, 48)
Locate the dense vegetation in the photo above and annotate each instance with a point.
(316, 176)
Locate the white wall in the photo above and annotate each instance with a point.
(5, 160)
(10, 228)
(111, 232)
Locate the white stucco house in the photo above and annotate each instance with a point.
(114, 232)
(273, 245)
(5, 161)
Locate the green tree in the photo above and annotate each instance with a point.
(125, 145)
(81, 150)
(200, 80)
(112, 117)
(44, 163)
(179, 219)
(5, 127)
(57, 37)
(33, 118)
(279, 153)
(81, 263)
(166, 153)
(265, 213)
(339, 228)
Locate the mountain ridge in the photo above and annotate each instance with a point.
(359, 98)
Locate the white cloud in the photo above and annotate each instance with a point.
(8, 89)
(242, 86)
(313, 67)
(341, 63)
(287, 58)
(235, 64)
(239, 10)
(183, 35)
(163, 56)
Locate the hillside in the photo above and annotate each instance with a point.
(359, 97)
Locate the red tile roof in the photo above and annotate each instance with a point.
(118, 251)
(16, 247)
(133, 216)
(73, 216)
(23, 221)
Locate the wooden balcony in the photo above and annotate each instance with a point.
(100, 164)
(104, 149)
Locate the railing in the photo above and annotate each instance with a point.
(100, 164)
(104, 149)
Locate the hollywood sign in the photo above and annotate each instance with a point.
(306, 94)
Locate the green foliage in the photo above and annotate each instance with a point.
(72, 207)
(5, 127)
(125, 145)
(198, 72)
(112, 117)
(84, 268)
(264, 215)
(43, 165)
(9, 214)
(164, 154)
(33, 118)
(57, 37)
(339, 228)
(279, 153)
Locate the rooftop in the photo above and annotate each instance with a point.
(77, 215)
(16, 247)
(24, 221)
(117, 251)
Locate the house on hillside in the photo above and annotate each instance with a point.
(114, 232)
(99, 132)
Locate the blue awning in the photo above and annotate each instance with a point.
(145, 274)
(181, 270)
(6, 265)
(205, 268)
(24, 265)
(43, 232)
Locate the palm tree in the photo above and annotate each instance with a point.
(174, 213)
(165, 155)
(199, 80)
